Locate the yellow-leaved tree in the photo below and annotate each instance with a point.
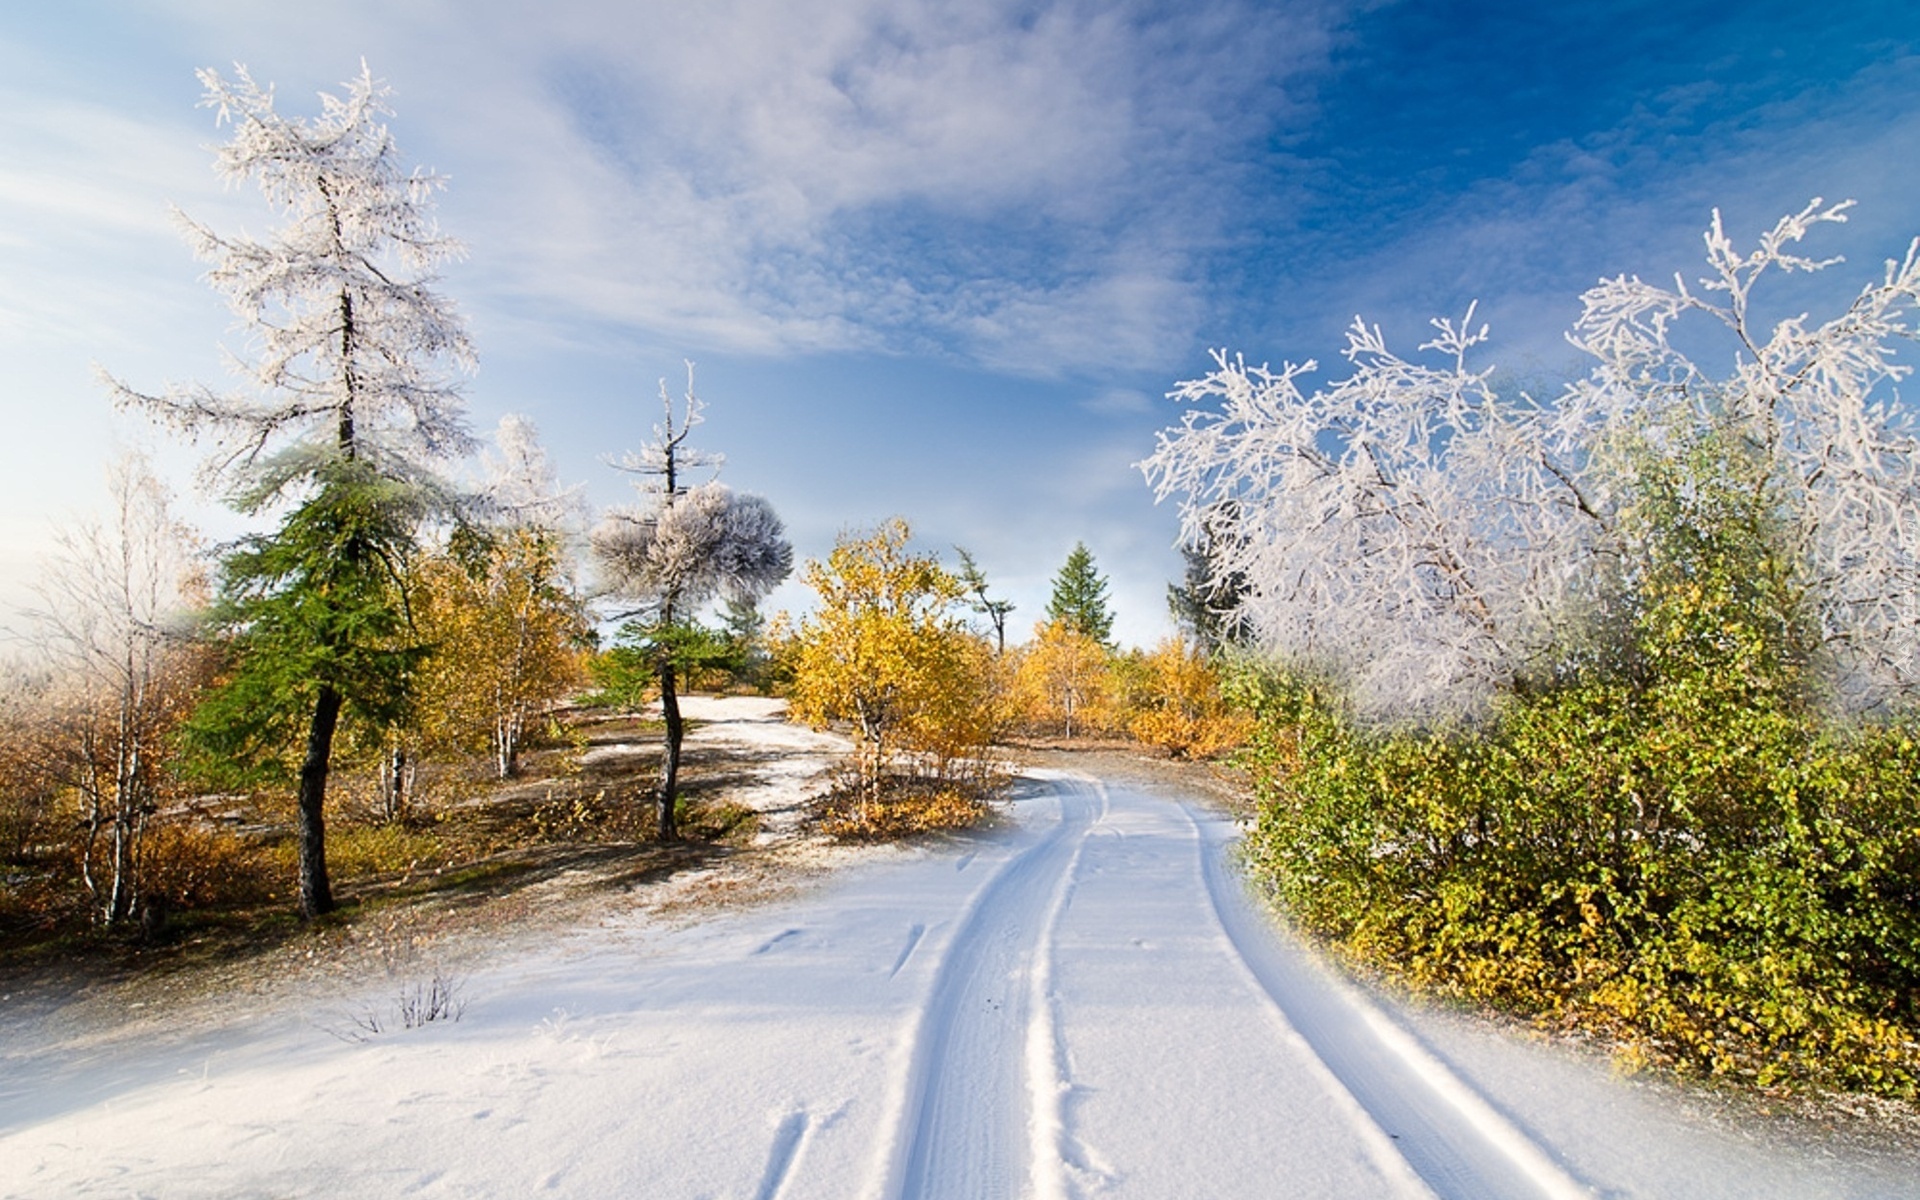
(886, 652)
(1180, 708)
(1063, 678)
(508, 634)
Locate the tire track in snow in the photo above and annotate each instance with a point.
(1049, 1149)
(1457, 1143)
(963, 1127)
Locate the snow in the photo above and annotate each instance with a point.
(1077, 1004)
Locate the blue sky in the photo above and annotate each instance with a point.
(934, 260)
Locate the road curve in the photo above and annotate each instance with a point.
(1025, 1075)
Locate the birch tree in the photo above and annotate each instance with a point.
(114, 600)
(1435, 537)
(501, 610)
(1062, 673)
(677, 550)
(883, 649)
(348, 412)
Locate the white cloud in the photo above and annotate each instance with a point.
(1023, 186)
(1116, 402)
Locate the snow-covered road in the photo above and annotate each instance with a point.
(1085, 1004)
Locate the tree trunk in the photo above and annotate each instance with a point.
(316, 894)
(120, 902)
(872, 759)
(126, 805)
(506, 744)
(95, 821)
(670, 768)
(399, 771)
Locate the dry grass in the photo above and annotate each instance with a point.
(906, 808)
(226, 868)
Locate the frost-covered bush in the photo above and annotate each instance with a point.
(1433, 539)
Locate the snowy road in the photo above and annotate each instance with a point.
(1085, 1005)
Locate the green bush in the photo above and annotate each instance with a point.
(1723, 886)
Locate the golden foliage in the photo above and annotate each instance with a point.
(507, 635)
(904, 814)
(194, 866)
(1180, 708)
(885, 652)
(1063, 677)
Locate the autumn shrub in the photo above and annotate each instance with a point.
(907, 808)
(1067, 683)
(718, 821)
(602, 817)
(1180, 708)
(196, 866)
(1722, 887)
(29, 780)
(885, 653)
(507, 629)
(949, 736)
(363, 850)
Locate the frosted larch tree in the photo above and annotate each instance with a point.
(349, 412)
(677, 550)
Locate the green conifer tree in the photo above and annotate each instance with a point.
(1080, 597)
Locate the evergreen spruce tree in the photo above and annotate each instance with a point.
(1080, 597)
(1205, 603)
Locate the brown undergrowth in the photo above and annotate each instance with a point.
(467, 851)
(906, 808)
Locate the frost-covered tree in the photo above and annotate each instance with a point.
(114, 598)
(677, 550)
(1079, 599)
(1810, 421)
(349, 412)
(349, 340)
(1435, 537)
(521, 489)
